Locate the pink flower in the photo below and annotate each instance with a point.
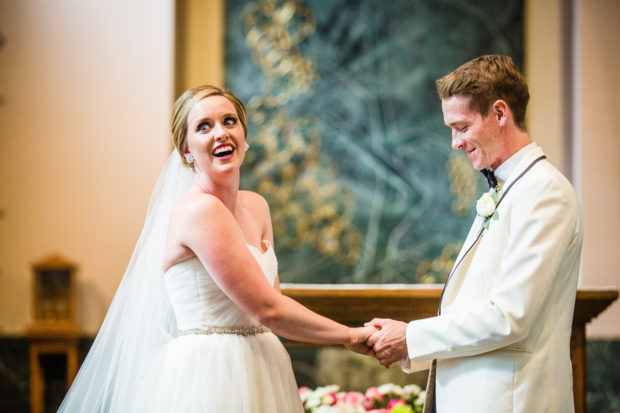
(394, 402)
(329, 399)
(369, 404)
(373, 393)
(353, 398)
(303, 389)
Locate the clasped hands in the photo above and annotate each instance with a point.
(384, 339)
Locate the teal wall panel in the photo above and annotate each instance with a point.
(347, 134)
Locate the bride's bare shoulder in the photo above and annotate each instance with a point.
(254, 201)
(186, 215)
(192, 217)
(258, 208)
(198, 206)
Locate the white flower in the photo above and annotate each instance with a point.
(313, 402)
(390, 388)
(421, 397)
(412, 390)
(332, 388)
(321, 392)
(485, 207)
(306, 394)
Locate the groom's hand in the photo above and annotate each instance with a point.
(389, 341)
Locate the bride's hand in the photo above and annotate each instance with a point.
(357, 340)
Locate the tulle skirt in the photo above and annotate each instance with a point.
(220, 373)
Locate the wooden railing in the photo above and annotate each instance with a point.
(355, 304)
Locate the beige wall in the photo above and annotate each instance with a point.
(595, 164)
(598, 109)
(87, 89)
(544, 71)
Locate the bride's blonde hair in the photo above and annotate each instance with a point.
(185, 103)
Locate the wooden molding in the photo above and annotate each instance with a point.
(199, 43)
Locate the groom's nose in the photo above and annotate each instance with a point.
(457, 141)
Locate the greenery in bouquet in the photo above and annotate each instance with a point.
(387, 398)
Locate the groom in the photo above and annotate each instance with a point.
(501, 340)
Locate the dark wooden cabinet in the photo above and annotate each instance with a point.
(54, 329)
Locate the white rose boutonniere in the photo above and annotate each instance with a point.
(486, 206)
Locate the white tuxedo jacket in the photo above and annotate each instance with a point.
(502, 341)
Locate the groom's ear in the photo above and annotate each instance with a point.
(501, 112)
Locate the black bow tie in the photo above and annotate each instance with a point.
(491, 179)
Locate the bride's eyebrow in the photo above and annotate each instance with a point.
(201, 120)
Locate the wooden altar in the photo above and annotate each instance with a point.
(355, 304)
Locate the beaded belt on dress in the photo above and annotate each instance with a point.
(241, 331)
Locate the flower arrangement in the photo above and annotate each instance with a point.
(486, 206)
(388, 398)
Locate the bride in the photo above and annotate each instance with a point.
(191, 327)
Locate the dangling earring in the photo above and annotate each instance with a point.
(247, 146)
(189, 158)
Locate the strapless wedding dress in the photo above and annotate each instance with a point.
(222, 360)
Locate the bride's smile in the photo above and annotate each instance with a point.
(224, 151)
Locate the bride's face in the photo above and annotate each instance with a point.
(215, 136)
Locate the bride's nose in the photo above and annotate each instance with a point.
(219, 132)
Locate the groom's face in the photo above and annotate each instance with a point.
(475, 135)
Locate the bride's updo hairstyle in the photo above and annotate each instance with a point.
(184, 105)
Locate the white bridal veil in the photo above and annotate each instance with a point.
(140, 319)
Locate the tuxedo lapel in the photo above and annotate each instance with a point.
(531, 158)
(470, 242)
(468, 250)
(473, 234)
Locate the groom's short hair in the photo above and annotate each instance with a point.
(485, 80)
